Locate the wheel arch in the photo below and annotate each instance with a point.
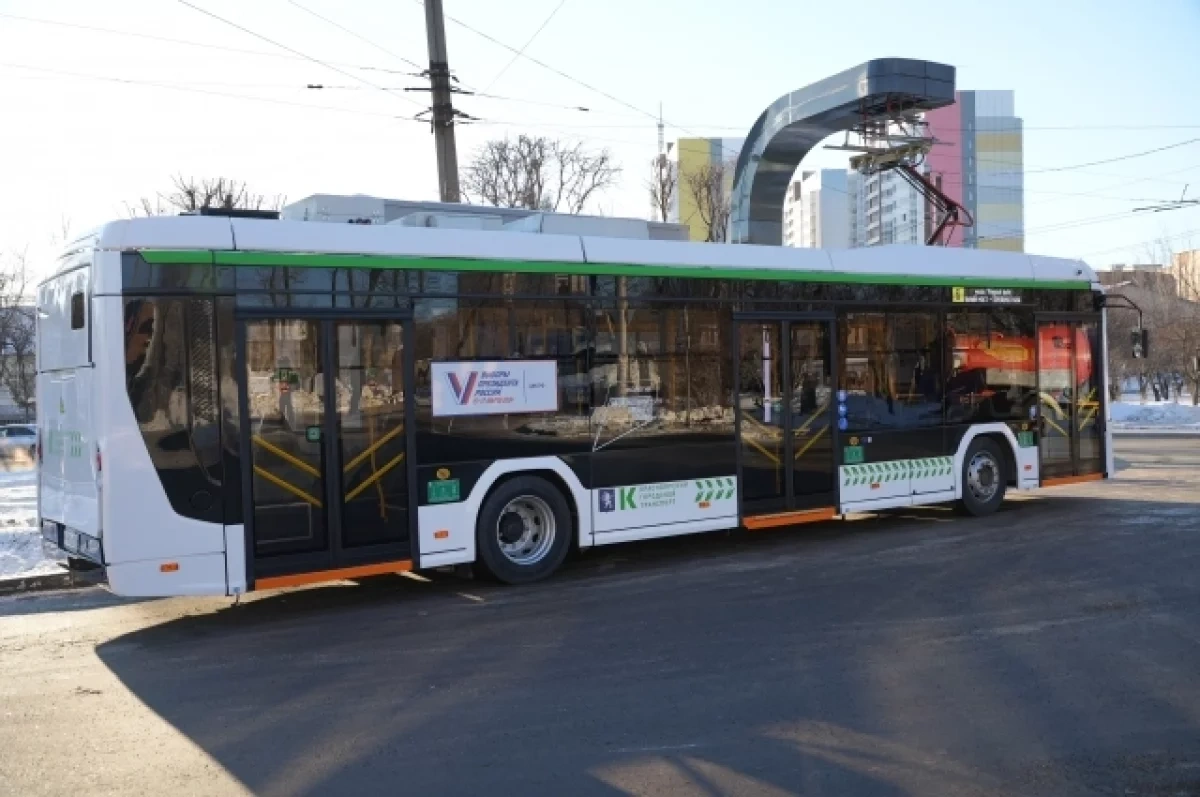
(553, 470)
(555, 479)
(1008, 447)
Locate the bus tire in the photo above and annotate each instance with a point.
(524, 530)
(983, 478)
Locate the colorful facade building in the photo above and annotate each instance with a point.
(979, 162)
(692, 157)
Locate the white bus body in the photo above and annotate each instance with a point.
(217, 480)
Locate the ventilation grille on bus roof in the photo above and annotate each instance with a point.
(237, 213)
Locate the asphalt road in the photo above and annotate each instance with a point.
(1052, 649)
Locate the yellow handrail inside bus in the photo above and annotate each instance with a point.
(1061, 430)
(1093, 405)
(773, 457)
(374, 477)
(812, 440)
(368, 451)
(279, 452)
(804, 426)
(280, 483)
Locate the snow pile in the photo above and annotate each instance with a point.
(20, 540)
(1156, 416)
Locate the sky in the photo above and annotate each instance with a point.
(95, 119)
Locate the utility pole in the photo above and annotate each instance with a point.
(443, 105)
(662, 150)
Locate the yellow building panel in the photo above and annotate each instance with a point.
(1003, 244)
(997, 142)
(693, 155)
(998, 213)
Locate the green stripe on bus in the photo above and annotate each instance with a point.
(305, 260)
(165, 256)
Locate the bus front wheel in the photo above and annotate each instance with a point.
(983, 478)
(524, 530)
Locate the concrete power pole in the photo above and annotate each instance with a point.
(443, 105)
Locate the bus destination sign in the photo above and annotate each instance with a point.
(986, 295)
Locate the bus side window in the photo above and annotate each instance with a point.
(77, 313)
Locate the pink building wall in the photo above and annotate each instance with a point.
(945, 160)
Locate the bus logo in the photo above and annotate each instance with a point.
(607, 499)
(462, 391)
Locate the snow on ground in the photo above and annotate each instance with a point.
(1165, 416)
(20, 540)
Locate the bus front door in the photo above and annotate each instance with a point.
(787, 419)
(1070, 399)
(326, 445)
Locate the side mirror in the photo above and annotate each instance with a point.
(1140, 340)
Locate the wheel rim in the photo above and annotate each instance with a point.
(525, 530)
(983, 476)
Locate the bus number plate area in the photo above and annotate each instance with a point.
(444, 491)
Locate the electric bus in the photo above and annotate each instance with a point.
(229, 404)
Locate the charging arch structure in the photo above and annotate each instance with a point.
(798, 121)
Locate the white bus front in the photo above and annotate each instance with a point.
(69, 462)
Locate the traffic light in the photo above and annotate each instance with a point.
(1140, 341)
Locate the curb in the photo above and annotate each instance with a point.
(1151, 432)
(45, 582)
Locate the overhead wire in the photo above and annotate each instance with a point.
(356, 35)
(189, 43)
(525, 46)
(1130, 156)
(1160, 240)
(706, 152)
(1071, 224)
(365, 67)
(194, 90)
(555, 70)
(519, 54)
(293, 50)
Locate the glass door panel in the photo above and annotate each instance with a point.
(1070, 400)
(812, 414)
(761, 416)
(370, 433)
(285, 391)
(1088, 413)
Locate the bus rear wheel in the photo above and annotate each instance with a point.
(524, 530)
(983, 479)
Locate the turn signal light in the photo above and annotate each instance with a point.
(441, 534)
(168, 567)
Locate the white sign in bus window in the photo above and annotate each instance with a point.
(494, 388)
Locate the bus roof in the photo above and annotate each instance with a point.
(246, 241)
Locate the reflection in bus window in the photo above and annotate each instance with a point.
(659, 369)
(891, 370)
(993, 366)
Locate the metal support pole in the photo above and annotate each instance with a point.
(443, 107)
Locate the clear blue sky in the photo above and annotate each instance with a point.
(76, 148)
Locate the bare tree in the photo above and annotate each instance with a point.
(663, 185)
(17, 331)
(538, 174)
(1170, 305)
(188, 195)
(706, 188)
